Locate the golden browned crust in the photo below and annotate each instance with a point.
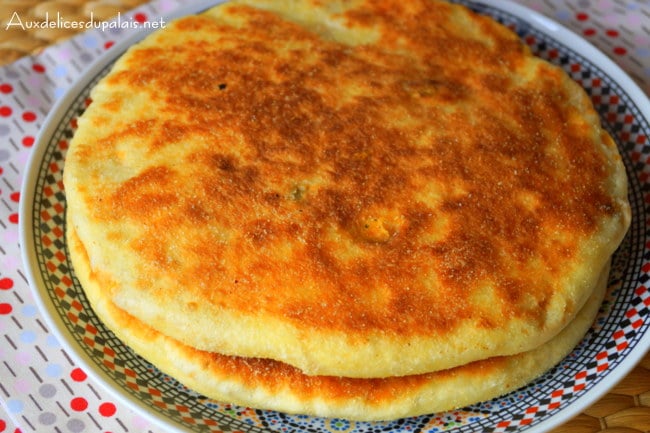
(269, 384)
(436, 177)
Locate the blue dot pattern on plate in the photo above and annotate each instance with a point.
(563, 15)
(52, 341)
(28, 336)
(59, 92)
(90, 42)
(60, 71)
(29, 310)
(53, 370)
(643, 51)
(15, 406)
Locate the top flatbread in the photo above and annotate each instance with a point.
(363, 189)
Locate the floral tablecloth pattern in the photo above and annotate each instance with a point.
(41, 388)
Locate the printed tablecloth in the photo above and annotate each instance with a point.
(41, 388)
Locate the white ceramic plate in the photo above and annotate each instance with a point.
(616, 342)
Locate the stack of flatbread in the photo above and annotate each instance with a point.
(357, 209)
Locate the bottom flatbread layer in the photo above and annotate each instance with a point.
(268, 384)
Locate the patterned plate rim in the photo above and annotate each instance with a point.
(546, 26)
